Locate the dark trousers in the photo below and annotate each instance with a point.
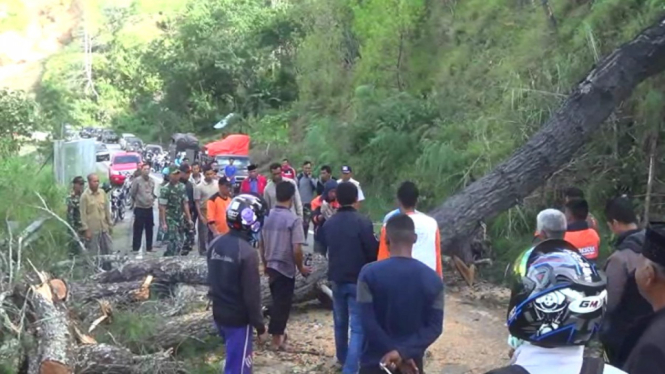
(281, 290)
(377, 369)
(307, 216)
(143, 220)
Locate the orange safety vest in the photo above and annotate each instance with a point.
(427, 248)
(585, 239)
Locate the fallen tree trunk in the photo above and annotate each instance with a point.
(198, 326)
(190, 270)
(54, 341)
(194, 271)
(581, 114)
(121, 292)
(108, 359)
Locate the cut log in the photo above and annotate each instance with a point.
(190, 270)
(60, 289)
(54, 341)
(194, 271)
(88, 291)
(611, 82)
(108, 359)
(198, 326)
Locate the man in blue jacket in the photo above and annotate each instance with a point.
(349, 238)
(401, 305)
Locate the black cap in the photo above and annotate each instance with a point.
(346, 169)
(223, 181)
(252, 167)
(654, 243)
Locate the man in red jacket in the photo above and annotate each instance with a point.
(254, 183)
(287, 170)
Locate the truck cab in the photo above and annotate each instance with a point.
(241, 163)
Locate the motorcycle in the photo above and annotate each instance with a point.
(117, 206)
(124, 192)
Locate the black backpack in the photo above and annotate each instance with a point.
(590, 365)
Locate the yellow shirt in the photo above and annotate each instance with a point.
(95, 211)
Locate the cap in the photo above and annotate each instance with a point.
(184, 167)
(223, 180)
(654, 243)
(252, 167)
(173, 169)
(346, 169)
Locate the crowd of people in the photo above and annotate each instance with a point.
(387, 291)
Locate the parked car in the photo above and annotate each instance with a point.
(123, 139)
(109, 136)
(154, 149)
(134, 144)
(123, 164)
(102, 152)
(87, 132)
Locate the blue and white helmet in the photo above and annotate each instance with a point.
(557, 299)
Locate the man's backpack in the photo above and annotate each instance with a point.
(590, 365)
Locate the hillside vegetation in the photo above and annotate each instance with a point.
(438, 92)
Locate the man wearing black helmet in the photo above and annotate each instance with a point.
(235, 283)
(556, 306)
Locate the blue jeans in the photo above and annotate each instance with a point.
(346, 314)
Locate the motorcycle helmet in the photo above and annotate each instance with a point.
(246, 214)
(558, 298)
(106, 187)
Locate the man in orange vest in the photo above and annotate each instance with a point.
(574, 193)
(579, 232)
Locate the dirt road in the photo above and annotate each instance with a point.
(473, 340)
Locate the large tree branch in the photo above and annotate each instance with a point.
(587, 107)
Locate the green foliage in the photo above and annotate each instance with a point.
(18, 119)
(435, 92)
(22, 179)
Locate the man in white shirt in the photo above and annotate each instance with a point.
(347, 176)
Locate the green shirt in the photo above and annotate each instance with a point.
(172, 197)
(74, 211)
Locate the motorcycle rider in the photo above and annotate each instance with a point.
(556, 306)
(235, 282)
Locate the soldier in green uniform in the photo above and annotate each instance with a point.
(74, 215)
(174, 213)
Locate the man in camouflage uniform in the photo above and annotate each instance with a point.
(172, 204)
(74, 215)
(189, 230)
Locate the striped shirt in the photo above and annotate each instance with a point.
(427, 248)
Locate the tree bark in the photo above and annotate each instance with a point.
(198, 326)
(108, 359)
(194, 271)
(54, 341)
(190, 270)
(86, 296)
(567, 130)
(86, 292)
